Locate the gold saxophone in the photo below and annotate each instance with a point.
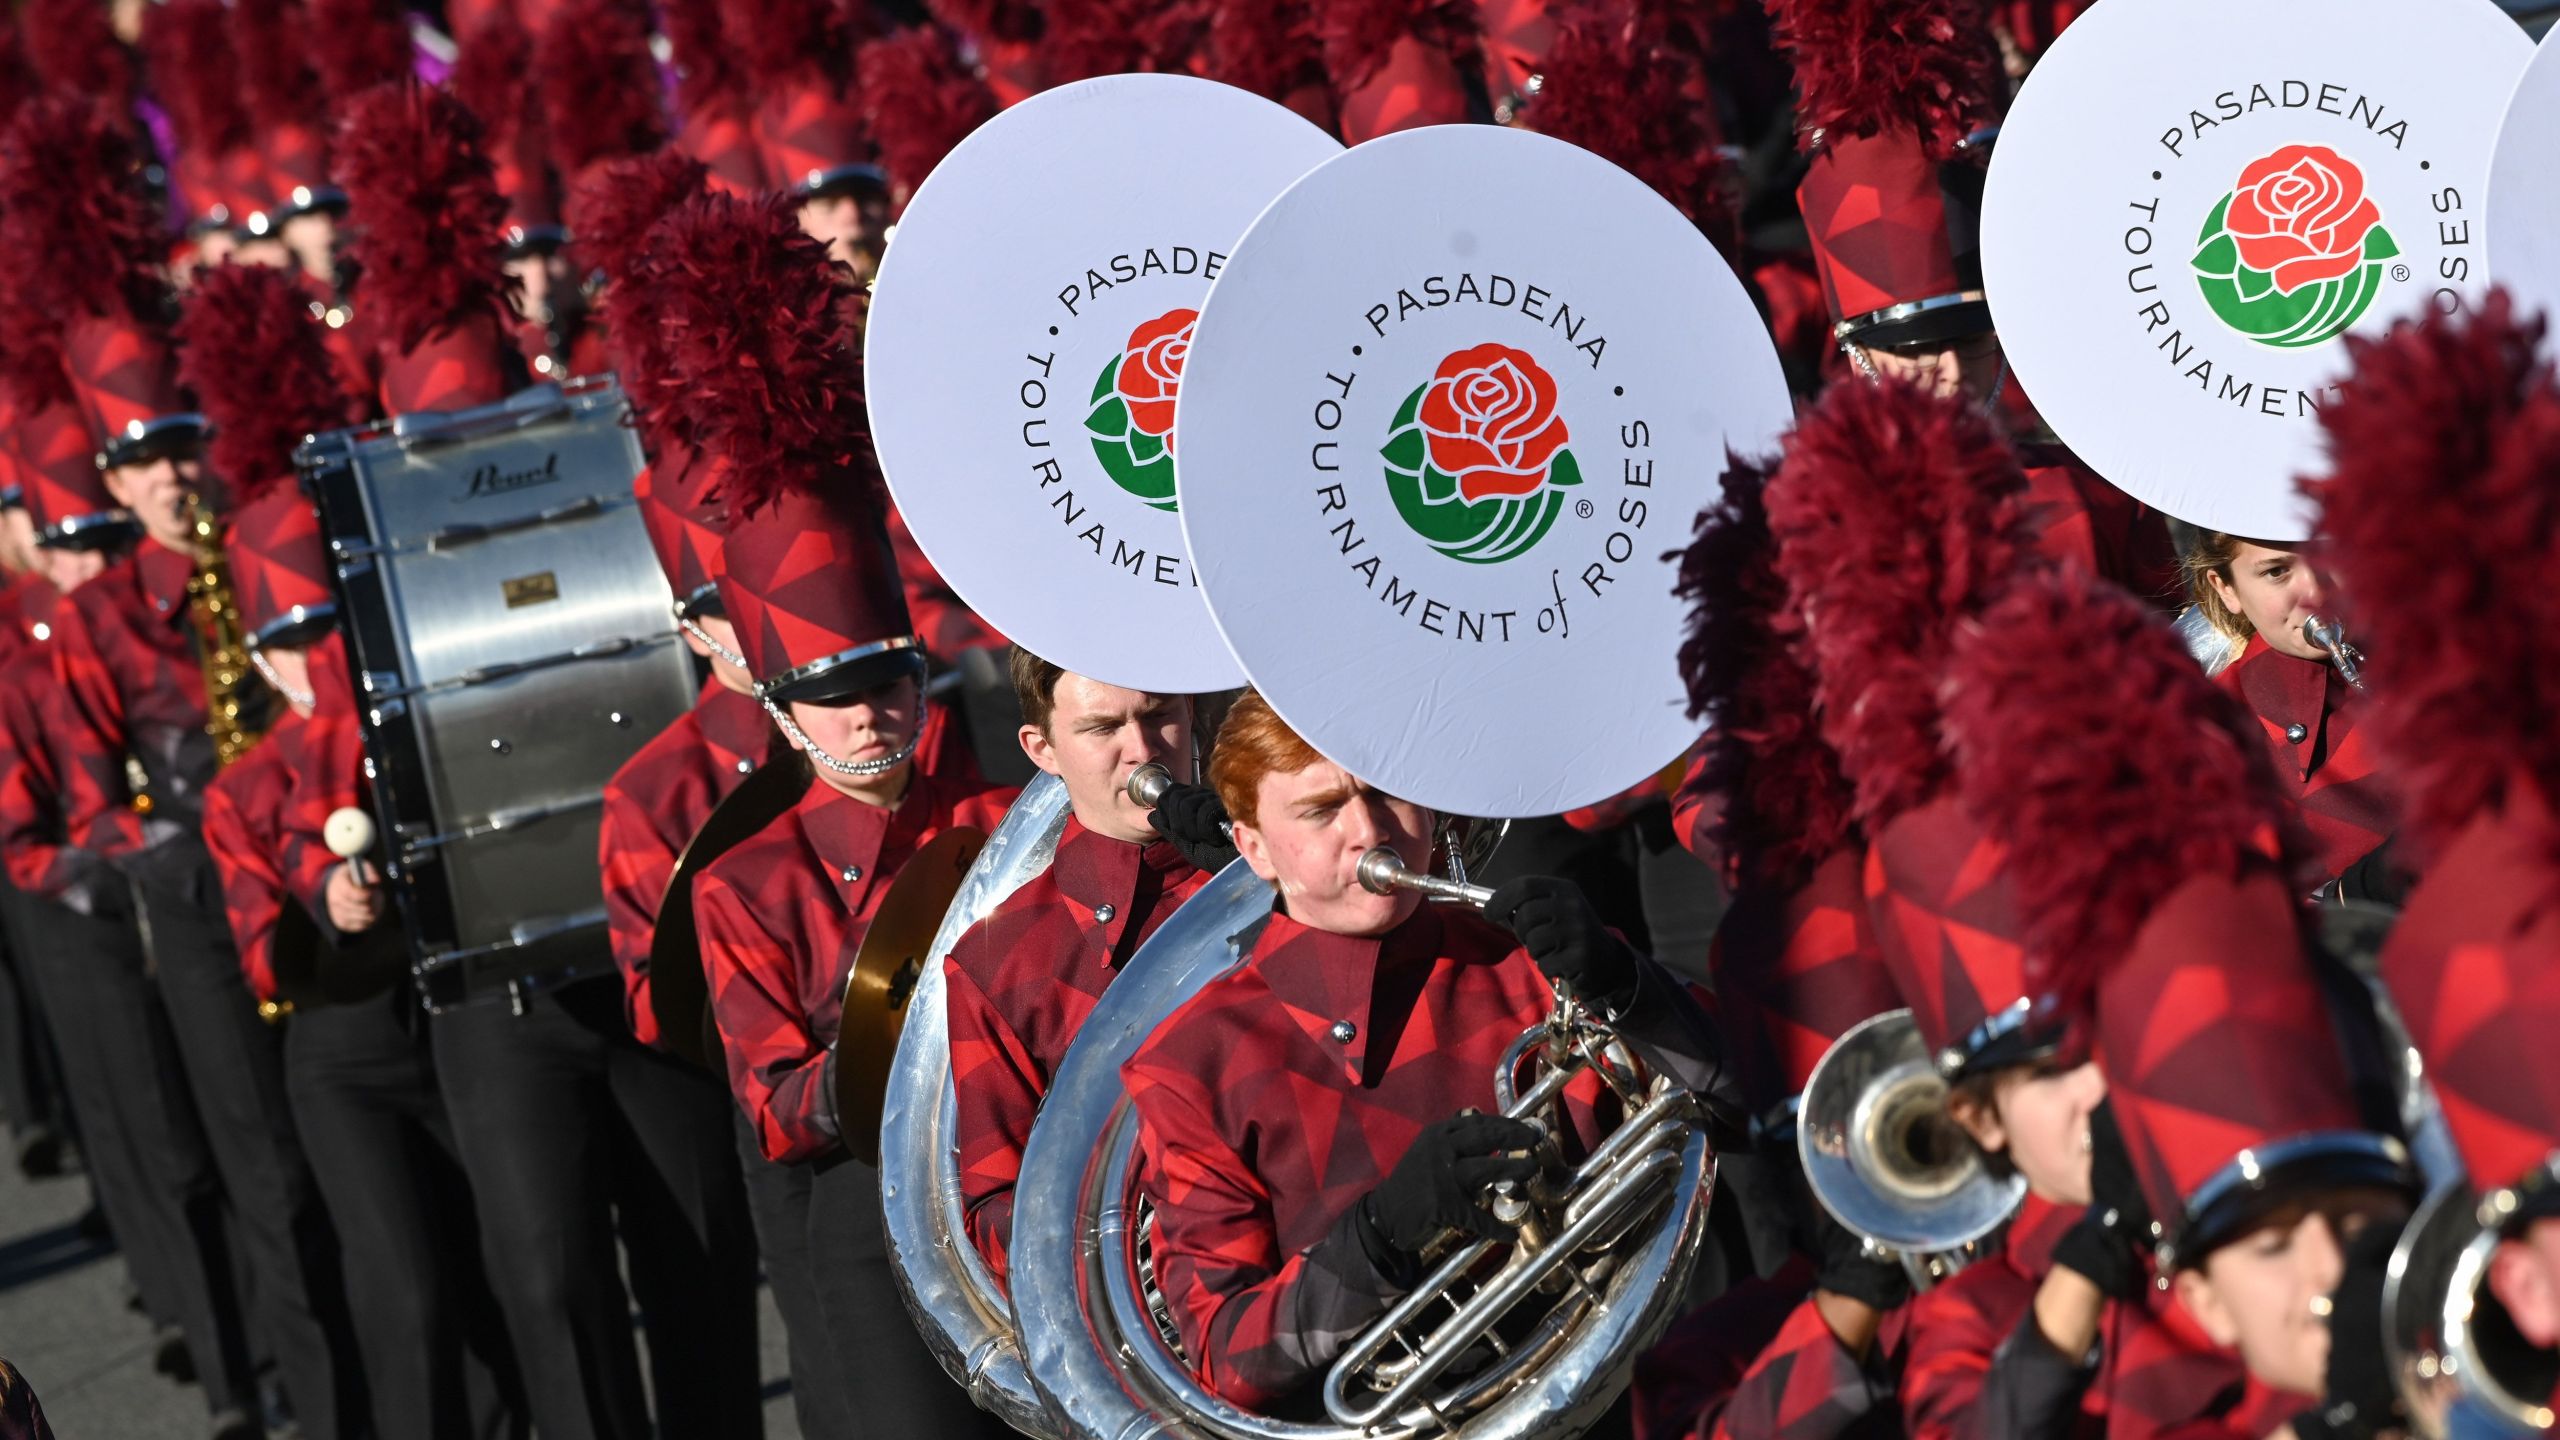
(225, 650)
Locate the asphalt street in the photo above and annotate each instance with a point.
(64, 1323)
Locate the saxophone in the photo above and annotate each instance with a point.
(236, 729)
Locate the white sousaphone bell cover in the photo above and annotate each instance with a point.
(1455, 399)
(2524, 189)
(2192, 203)
(1025, 350)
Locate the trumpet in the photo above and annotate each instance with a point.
(1884, 1159)
(2330, 638)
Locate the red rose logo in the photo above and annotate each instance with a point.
(1489, 416)
(2301, 216)
(1151, 372)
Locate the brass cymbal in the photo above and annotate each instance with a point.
(884, 974)
(679, 992)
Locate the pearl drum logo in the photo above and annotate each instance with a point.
(1131, 423)
(1476, 458)
(2296, 253)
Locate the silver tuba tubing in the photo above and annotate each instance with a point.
(958, 1308)
(1880, 1155)
(1101, 1350)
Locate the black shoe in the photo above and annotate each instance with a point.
(39, 1152)
(92, 1226)
(236, 1425)
(172, 1358)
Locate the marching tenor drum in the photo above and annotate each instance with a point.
(510, 636)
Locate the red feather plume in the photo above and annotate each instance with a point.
(1625, 94)
(780, 43)
(1269, 49)
(1786, 802)
(74, 220)
(196, 74)
(493, 75)
(1012, 21)
(1898, 513)
(358, 44)
(748, 309)
(425, 207)
(276, 74)
(17, 77)
(2441, 522)
(2090, 744)
(918, 101)
(260, 372)
(75, 50)
(1356, 35)
(1085, 38)
(612, 207)
(595, 54)
(707, 72)
(1868, 66)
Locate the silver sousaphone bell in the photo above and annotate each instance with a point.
(2462, 1368)
(1883, 1157)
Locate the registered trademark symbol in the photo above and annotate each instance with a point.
(1582, 509)
(2399, 272)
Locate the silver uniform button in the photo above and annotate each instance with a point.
(1343, 1030)
(2297, 733)
(1102, 914)
(852, 873)
(746, 767)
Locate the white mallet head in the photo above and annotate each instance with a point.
(349, 832)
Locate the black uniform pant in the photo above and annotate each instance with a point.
(894, 1385)
(563, 1120)
(148, 1159)
(779, 1197)
(30, 1084)
(287, 1254)
(363, 1086)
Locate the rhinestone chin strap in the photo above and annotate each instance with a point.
(300, 699)
(714, 646)
(856, 768)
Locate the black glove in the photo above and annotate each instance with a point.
(2360, 1401)
(1843, 1265)
(1439, 1185)
(2107, 1245)
(1193, 820)
(827, 1119)
(1564, 935)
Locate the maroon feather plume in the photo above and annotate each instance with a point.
(780, 43)
(17, 77)
(1013, 21)
(196, 74)
(612, 207)
(74, 220)
(358, 44)
(260, 372)
(2441, 517)
(707, 72)
(1356, 35)
(595, 54)
(757, 351)
(277, 79)
(75, 50)
(1867, 66)
(493, 75)
(1269, 49)
(1645, 105)
(425, 207)
(1084, 38)
(1898, 514)
(2087, 741)
(1786, 802)
(918, 101)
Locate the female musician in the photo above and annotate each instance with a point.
(2258, 597)
(1306, 1120)
(1023, 979)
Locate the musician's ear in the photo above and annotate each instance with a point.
(1036, 747)
(2206, 1304)
(1249, 844)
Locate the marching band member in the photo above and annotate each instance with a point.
(2471, 962)
(1023, 979)
(359, 1075)
(569, 1128)
(815, 605)
(129, 713)
(2258, 597)
(800, 56)
(1364, 1014)
(1895, 113)
(30, 1090)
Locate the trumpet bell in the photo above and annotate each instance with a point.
(1880, 1152)
(2460, 1364)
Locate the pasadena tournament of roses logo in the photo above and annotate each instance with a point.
(1131, 423)
(2295, 254)
(1476, 457)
